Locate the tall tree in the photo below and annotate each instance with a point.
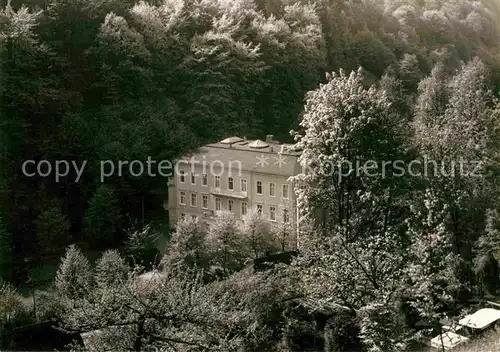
(456, 121)
(102, 216)
(353, 146)
(52, 230)
(486, 264)
(257, 232)
(141, 247)
(292, 47)
(73, 278)
(345, 160)
(110, 270)
(187, 247)
(225, 243)
(29, 99)
(6, 252)
(283, 231)
(433, 275)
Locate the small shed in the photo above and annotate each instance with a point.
(448, 340)
(481, 319)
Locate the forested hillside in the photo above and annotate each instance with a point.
(92, 80)
(119, 80)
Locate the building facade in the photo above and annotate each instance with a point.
(235, 175)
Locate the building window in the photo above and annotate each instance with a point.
(230, 183)
(272, 189)
(204, 201)
(286, 216)
(285, 191)
(217, 204)
(182, 177)
(193, 199)
(204, 180)
(183, 216)
(243, 185)
(182, 198)
(259, 208)
(217, 181)
(194, 217)
(230, 204)
(259, 187)
(193, 178)
(272, 213)
(244, 207)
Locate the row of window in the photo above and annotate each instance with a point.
(272, 189)
(272, 213)
(193, 217)
(243, 184)
(204, 178)
(194, 199)
(230, 206)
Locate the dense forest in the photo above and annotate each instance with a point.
(118, 80)
(92, 80)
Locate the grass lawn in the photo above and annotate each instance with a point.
(488, 343)
(43, 275)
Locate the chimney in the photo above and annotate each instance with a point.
(269, 138)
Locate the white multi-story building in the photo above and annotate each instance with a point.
(235, 175)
